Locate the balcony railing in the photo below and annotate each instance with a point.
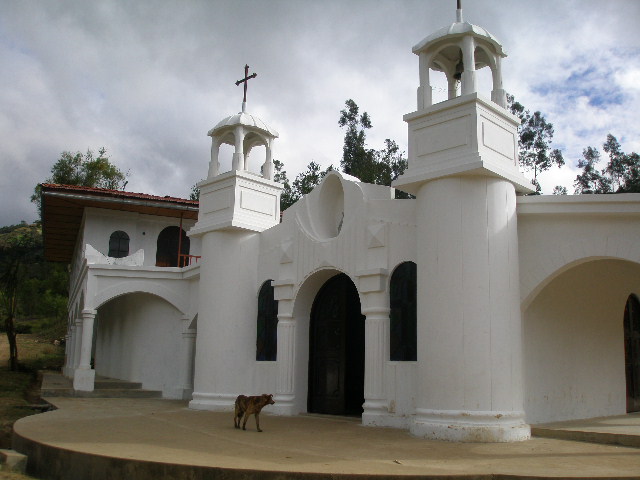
(187, 260)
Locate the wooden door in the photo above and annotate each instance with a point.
(632, 352)
(336, 350)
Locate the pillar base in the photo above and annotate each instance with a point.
(375, 413)
(465, 426)
(84, 379)
(285, 405)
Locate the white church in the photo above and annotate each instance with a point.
(465, 314)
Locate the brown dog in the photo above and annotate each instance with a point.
(250, 405)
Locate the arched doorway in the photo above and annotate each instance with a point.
(632, 352)
(336, 350)
(170, 240)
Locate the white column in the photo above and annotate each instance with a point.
(77, 343)
(267, 170)
(498, 94)
(285, 395)
(83, 378)
(452, 87)
(376, 354)
(425, 98)
(214, 165)
(469, 73)
(226, 320)
(469, 370)
(238, 156)
(188, 349)
(67, 371)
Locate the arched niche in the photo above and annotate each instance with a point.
(330, 208)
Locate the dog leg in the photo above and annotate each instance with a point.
(244, 424)
(258, 422)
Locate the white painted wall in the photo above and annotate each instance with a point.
(139, 339)
(143, 231)
(574, 343)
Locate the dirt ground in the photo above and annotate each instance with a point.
(19, 390)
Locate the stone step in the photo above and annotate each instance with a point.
(102, 393)
(12, 461)
(110, 383)
(56, 385)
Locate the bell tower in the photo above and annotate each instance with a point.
(463, 170)
(234, 207)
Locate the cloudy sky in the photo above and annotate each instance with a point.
(148, 79)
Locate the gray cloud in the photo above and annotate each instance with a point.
(148, 79)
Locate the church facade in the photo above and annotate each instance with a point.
(464, 314)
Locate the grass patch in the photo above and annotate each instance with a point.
(19, 389)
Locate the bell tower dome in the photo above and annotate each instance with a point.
(458, 51)
(468, 133)
(239, 198)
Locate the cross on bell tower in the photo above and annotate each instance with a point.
(245, 80)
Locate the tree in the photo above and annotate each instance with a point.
(380, 167)
(195, 193)
(535, 138)
(302, 184)
(623, 169)
(560, 190)
(19, 247)
(84, 170)
(591, 180)
(357, 160)
(621, 174)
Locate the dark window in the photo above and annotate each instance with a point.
(118, 244)
(169, 241)
(632, 352)
(267, 324)
(403, 344)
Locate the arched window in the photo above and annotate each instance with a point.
(169, 241)
(632, 352)
(403, 344)
(267, 324)
(118, 244)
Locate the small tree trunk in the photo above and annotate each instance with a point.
(10, 327)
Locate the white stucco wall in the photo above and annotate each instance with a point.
(143, 231)
(139, 339)
(574, 343)
(303, 252)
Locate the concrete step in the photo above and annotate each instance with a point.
(102, 393)
(12, 461)
(110, 383)
(56, 385)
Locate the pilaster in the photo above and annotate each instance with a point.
(285, 393)
(188, 349)
(84, 375)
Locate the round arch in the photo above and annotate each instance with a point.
(139, 286)
(555, 266)
(573, 339)
(303, 299)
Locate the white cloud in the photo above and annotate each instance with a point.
(147, 80)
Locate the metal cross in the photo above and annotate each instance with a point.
(245, 80)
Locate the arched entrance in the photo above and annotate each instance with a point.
(632, 352)
(171, 242)
(336, 350)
